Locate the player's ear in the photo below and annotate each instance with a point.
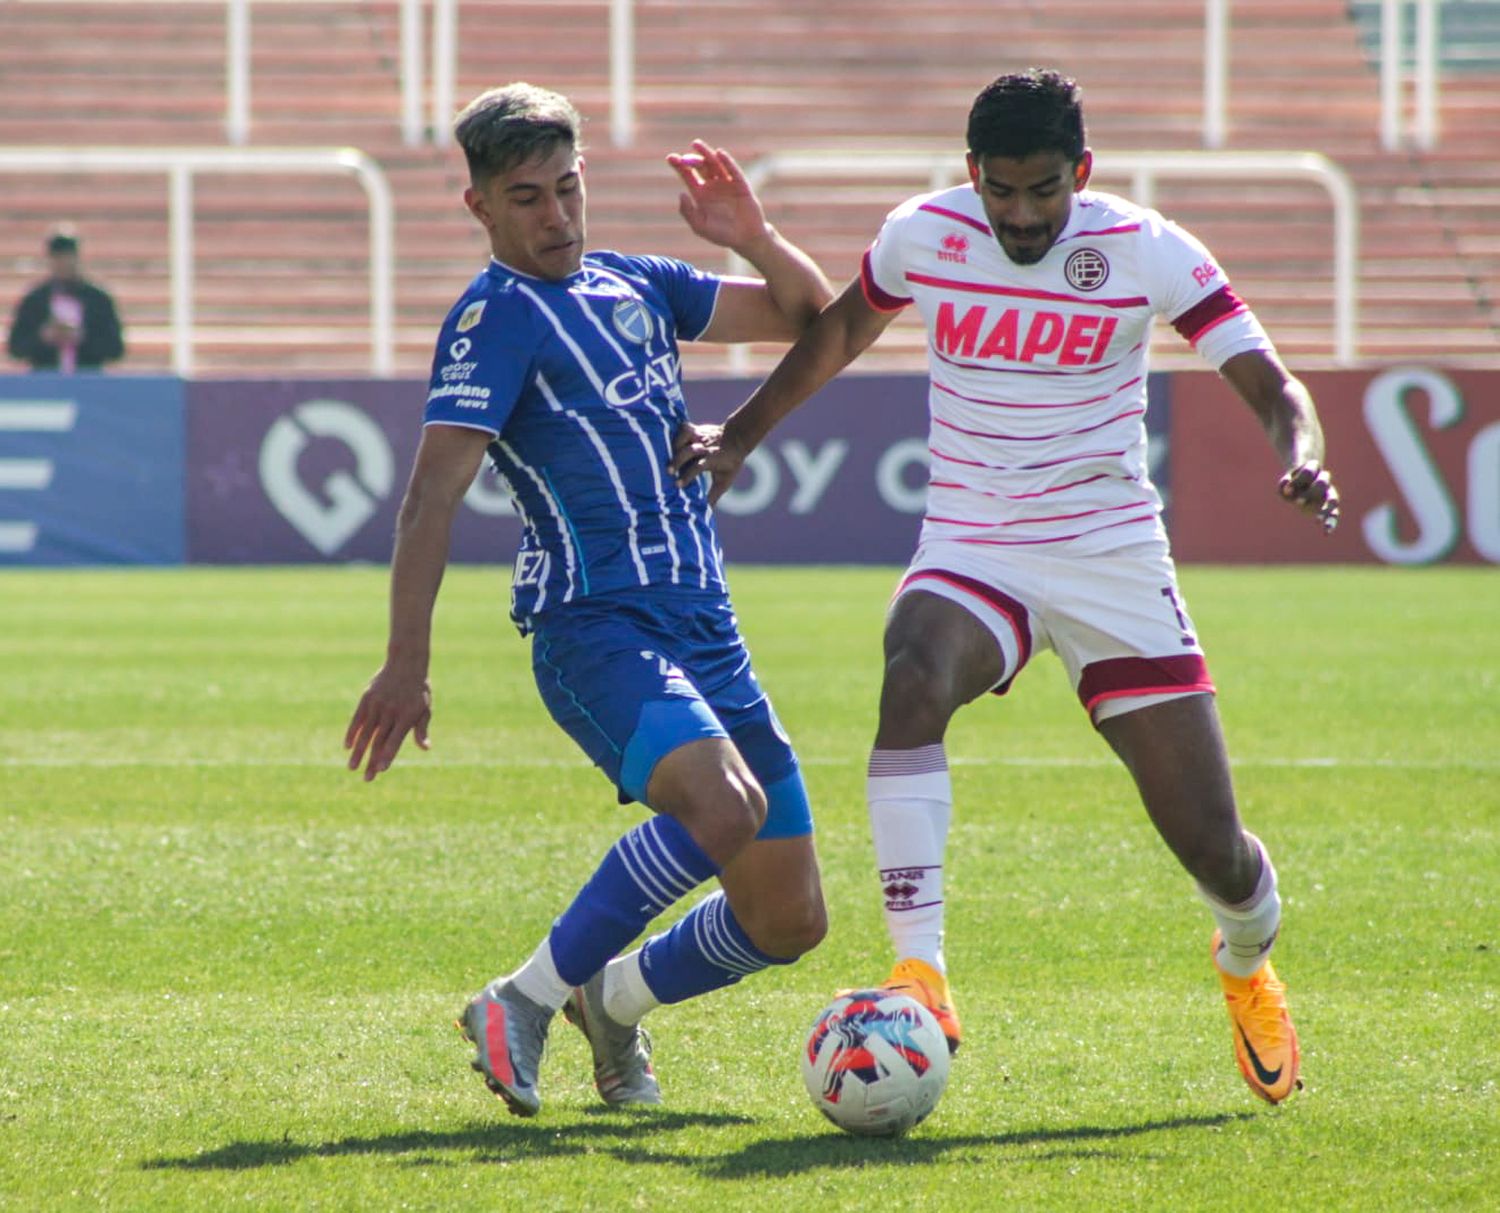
(1082, 169)
(973, 169)
(478, 207)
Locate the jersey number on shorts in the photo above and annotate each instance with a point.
(1188, 639)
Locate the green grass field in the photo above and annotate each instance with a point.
(228, 969)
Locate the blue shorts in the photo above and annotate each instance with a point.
(632, 676)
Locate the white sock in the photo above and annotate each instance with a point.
(910, 798)
(627, 997)
(1250, 926)
(539, 981)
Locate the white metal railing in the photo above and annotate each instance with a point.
(1144, 168)
(444, 68)
(621, 72)
(1215, 73)
(237, 75)
(237, 72)
(180, 165)
(1424, 73)
(622, 90)
(413, 132)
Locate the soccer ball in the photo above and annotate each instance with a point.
(875, 1062)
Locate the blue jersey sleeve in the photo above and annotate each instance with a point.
(689, 292)
(485, 355)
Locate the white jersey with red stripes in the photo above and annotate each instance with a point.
(1038, 392)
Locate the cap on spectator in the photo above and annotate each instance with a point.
(62, 240)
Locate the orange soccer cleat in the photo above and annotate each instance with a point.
(919, 980)
(1265, 1043)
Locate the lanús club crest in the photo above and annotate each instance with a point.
(632, 321)
(1086, 269)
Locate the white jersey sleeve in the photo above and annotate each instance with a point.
(882, 272)
(1187, 285)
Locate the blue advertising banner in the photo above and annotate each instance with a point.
(843, 480)
(91, 470)
(299, 471)
(313, 471)
(304, 471)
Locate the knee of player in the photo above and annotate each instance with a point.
(915, 688)
(724, 818)
(1229, 866)
(789, 927)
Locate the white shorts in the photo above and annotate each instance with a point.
(1116, 620)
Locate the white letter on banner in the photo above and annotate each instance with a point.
(1484, 493)
(1411, 466)
(890, 476)
(352, 500)
(761, 491)
(30, 416)
(812, 472)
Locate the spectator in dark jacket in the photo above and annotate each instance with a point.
(66, 323)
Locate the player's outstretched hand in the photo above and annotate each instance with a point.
(702, 448)
(393, 705)
(718, 204)
(1311, 487)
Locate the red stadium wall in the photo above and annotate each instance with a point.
(1415, 452)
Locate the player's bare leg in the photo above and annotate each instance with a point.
(774, 889)
(707, 788)
(769, 911)
(1175, 752)
(938, 657)
(713, 807)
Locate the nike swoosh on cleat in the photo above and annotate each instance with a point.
(498, 1048)
(1266, 1076)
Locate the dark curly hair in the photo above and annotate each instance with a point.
(1025, 113)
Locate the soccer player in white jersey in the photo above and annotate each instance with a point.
(1042, 527)
(562, 365)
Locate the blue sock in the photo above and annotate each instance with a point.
(704, 950)
(646, 871)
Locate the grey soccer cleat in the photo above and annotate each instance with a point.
(509, 1031)
(622, 1052)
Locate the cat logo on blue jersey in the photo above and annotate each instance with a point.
(632, 321)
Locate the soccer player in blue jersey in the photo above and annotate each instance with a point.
(563, 366)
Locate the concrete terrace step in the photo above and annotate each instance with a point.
(281, 262)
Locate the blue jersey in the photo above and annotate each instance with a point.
(579, 383)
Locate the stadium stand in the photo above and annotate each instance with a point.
(281, 262)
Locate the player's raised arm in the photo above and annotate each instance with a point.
(720, 206)
(841, 332)
(1286, 411)
(398, 700)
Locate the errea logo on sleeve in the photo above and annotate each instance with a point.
(471, 316)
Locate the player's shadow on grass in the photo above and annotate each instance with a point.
(636, 1141)
(792, 1155)
(504, 1140)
